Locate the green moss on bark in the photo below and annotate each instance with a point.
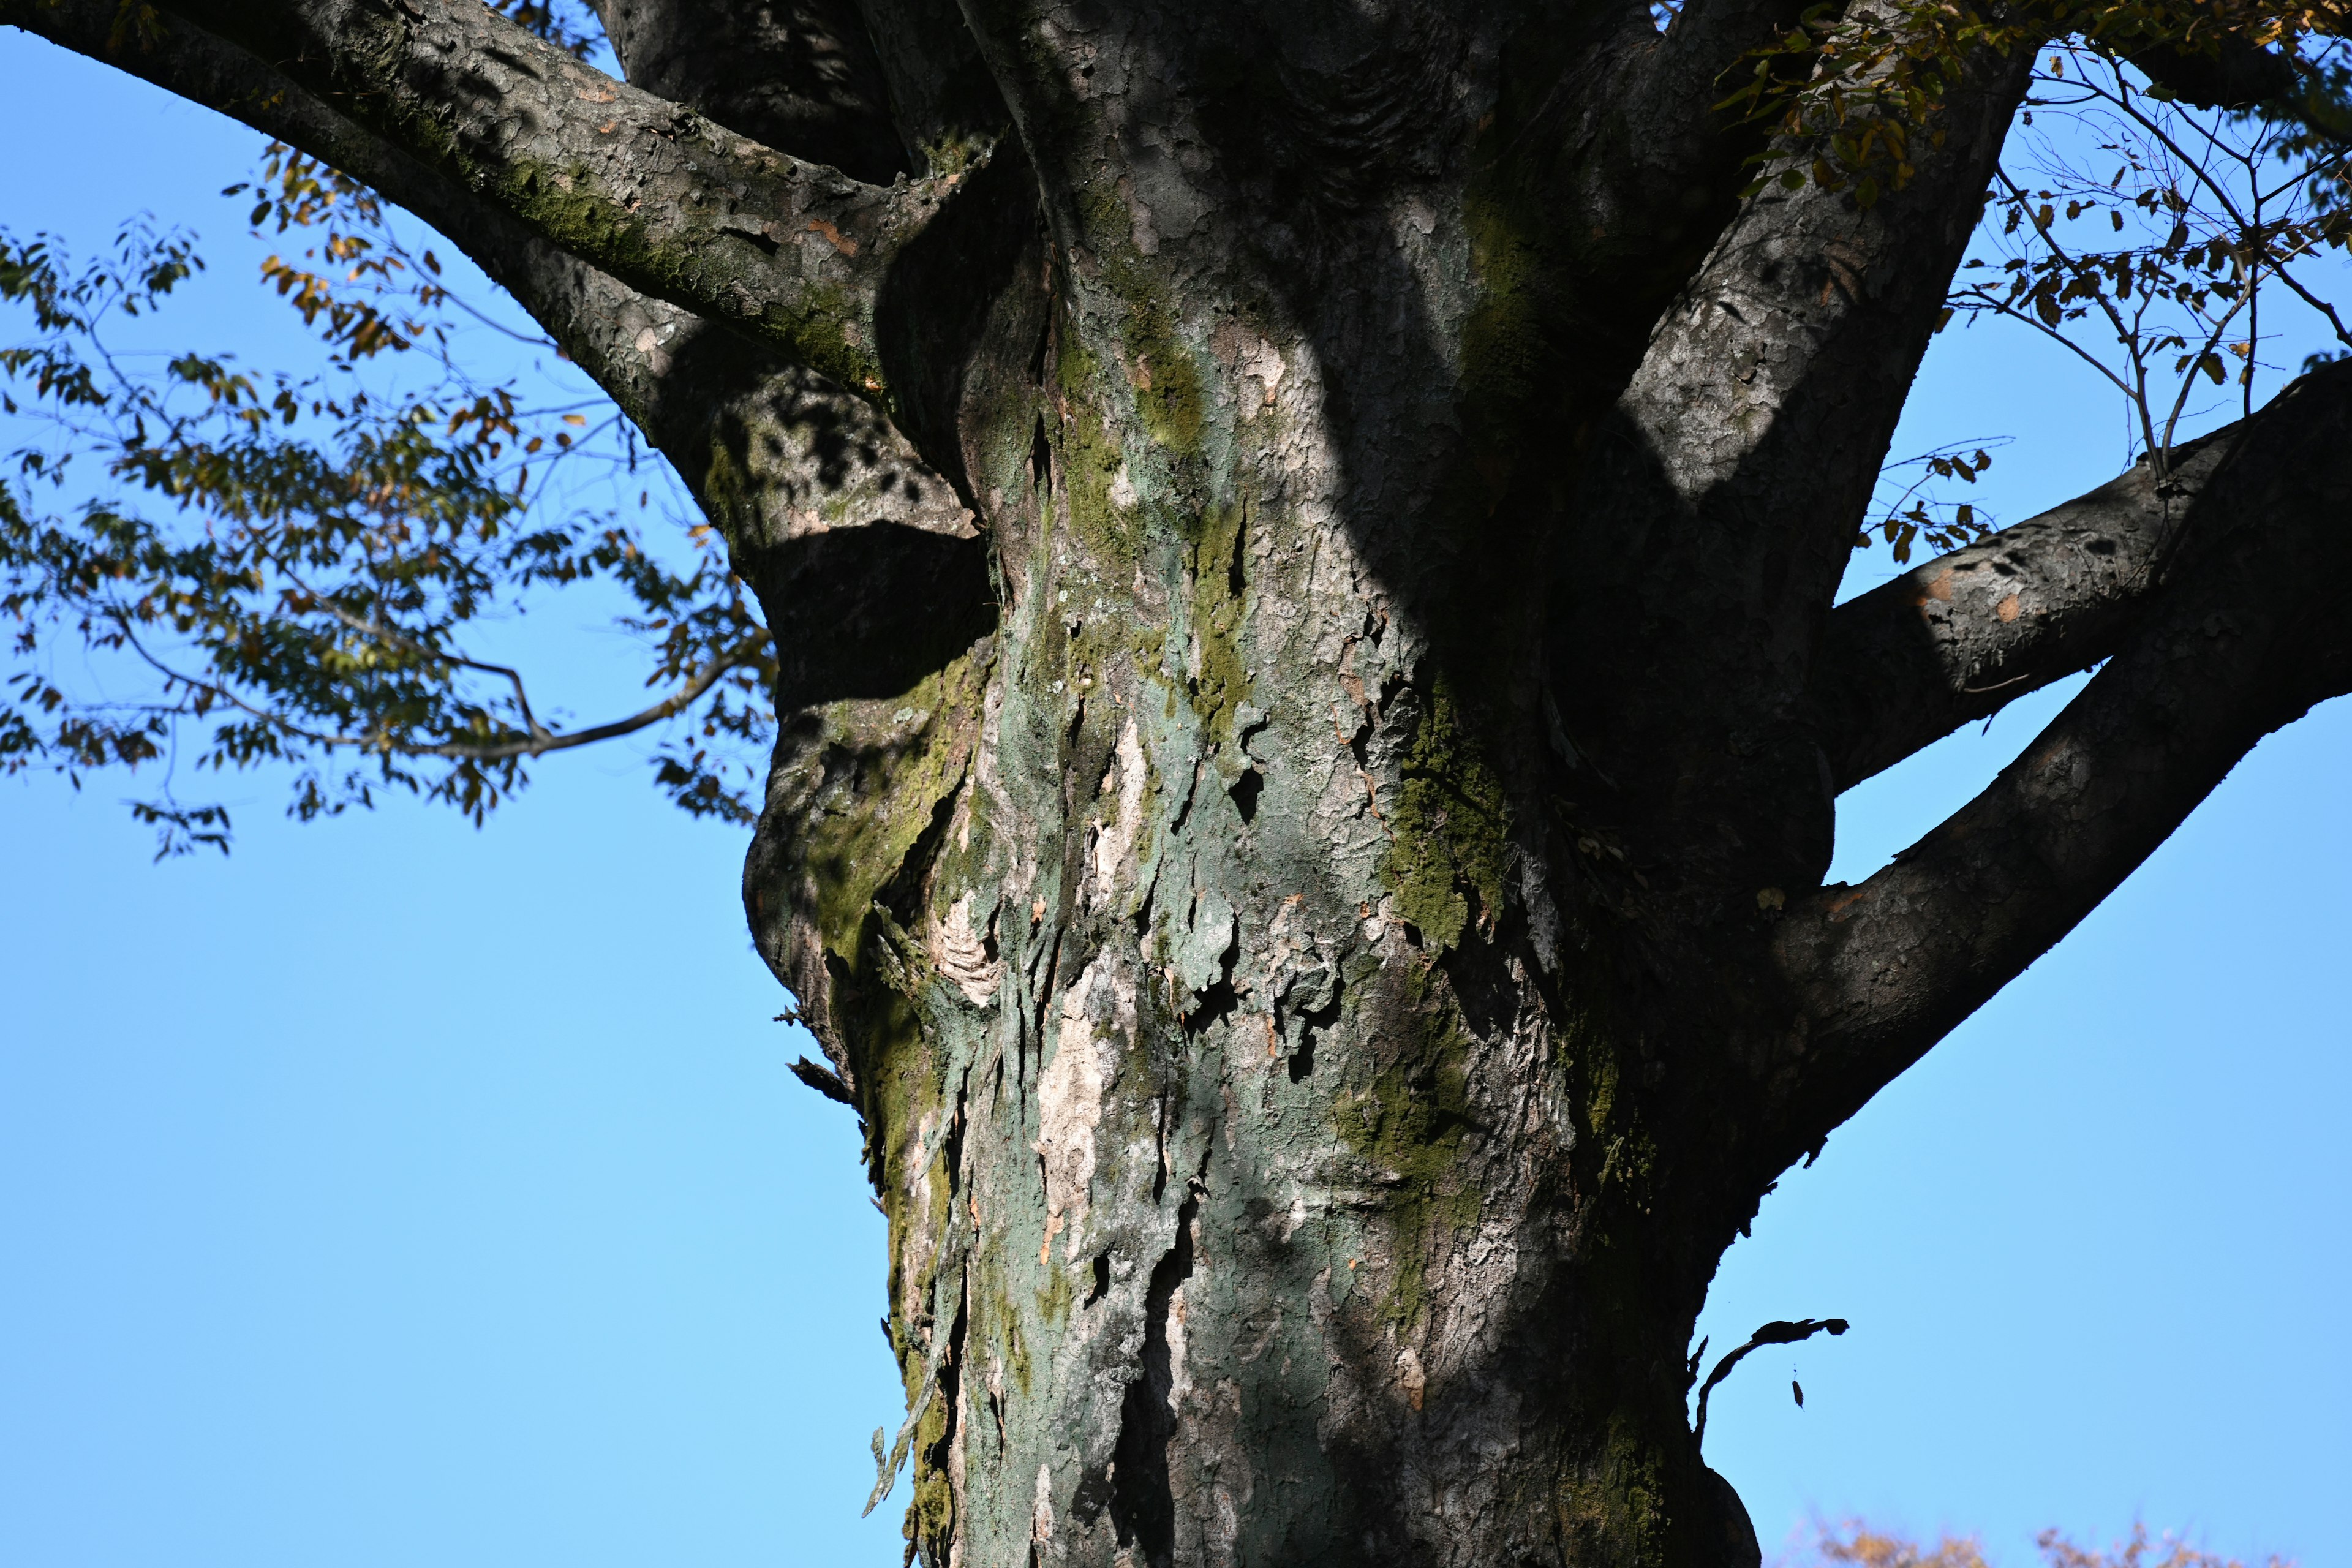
(1168, 391)
(1091, 459)
(931, 1513)
(1503, 336)
(1621, 1498)
(1409, 1124)
(1219, 603)
(1448, 832)
(852, 855)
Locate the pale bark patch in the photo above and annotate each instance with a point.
(1178, 1382)
(1070, 1096)
(915, 1254)
(1251, 359)
(1410, 1377)
(1115, 846)
(1041, 1516)
(960, 952)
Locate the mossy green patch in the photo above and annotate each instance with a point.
(726, 494)
(1169, 393)
(1054, 1300)
(954, 153)
(1448, 832)
(1091, 457)
(1219, 603)
(578, 214)
(893, 785)
(1410, 1123)
(1015, 1349)
(899, 1078)
(815, 331)
(931, 1513)
(1503, 336)
(1622, 1500)
(853, 854)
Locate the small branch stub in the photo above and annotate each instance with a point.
(1782, 1333)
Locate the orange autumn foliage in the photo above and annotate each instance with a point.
(1856, 1545)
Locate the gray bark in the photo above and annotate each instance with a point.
(1302, 548)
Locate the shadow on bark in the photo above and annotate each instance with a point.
(1142, 1501)
(866, 611)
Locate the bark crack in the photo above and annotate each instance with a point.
(1142, 1501)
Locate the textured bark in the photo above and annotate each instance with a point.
(670, 202)
(2246, 635)
(1963, 634)
(1302, 548)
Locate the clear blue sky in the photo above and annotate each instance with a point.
(395, 1193)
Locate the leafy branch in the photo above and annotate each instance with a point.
(281, 569)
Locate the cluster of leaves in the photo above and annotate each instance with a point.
(2137, 231)
(1858, 1546)
(1849, 91)
(1916, 514)
(2143, 236)
(202, 564)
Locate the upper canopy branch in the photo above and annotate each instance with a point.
(594, 317)
(1964, 634)
(2245, 633)
(1717, 502)
(788, 252)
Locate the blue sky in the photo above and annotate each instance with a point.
(395, 1193)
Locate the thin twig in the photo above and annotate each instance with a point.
(1775, 1334)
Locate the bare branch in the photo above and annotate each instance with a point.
(538, 741)
(751, 651)
(367, 627)
(2246, 634)
(1775, 1333)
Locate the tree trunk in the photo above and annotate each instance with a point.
(1277, 1131)
(1301, 550)
(1272, 1159)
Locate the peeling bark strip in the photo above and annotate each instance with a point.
(1301, 546)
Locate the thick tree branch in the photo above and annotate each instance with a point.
(788, 252)
(940, 90)
(621, 338)
(593, 318)
(2248, 633)
(830, 459)
(1642, 169)
(1971, 632)
(802, 78)
(1717, 502)
(2231, 73)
